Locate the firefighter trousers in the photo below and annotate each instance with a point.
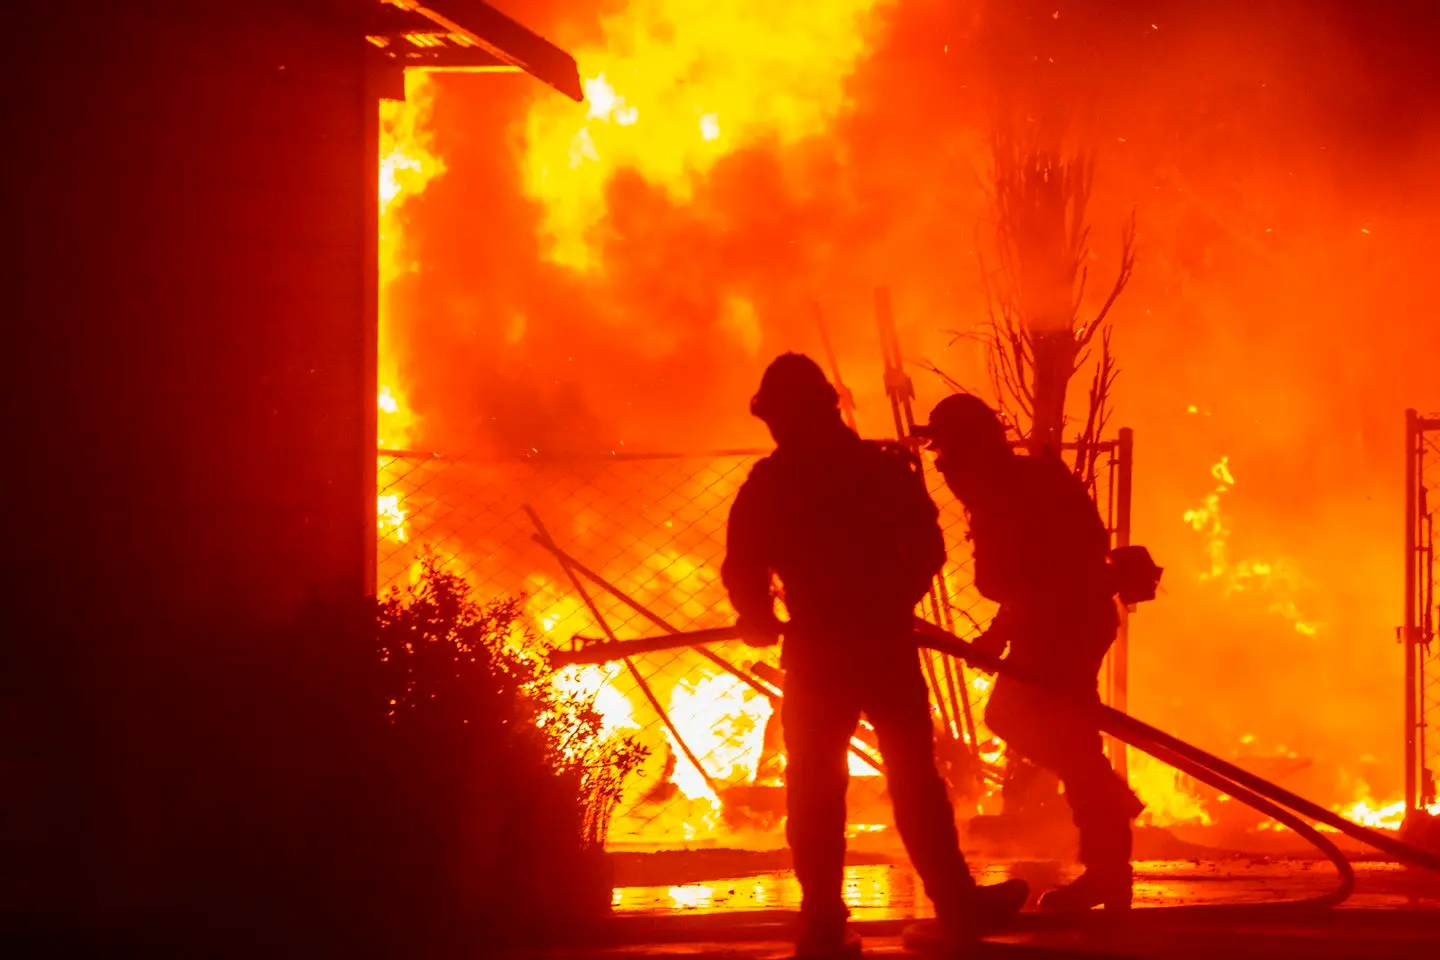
(822, 707)
(1052, 733)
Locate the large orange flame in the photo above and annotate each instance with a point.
(675, 86)
(407, 165)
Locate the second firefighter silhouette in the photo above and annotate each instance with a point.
(850, 531)
(1042, 552)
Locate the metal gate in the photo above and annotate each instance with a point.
(1422, 657)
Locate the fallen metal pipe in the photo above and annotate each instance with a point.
(595, 651)
(635, 674)
(1203, 766)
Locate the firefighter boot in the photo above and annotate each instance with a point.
(1104, 808)
(1105, 848)
(990, 909)
(827, 941)
(1110, 889)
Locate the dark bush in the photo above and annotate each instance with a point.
(505, 780)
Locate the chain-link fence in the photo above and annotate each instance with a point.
(653, 529)
(1422, 655)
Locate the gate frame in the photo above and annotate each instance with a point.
(1418, 629)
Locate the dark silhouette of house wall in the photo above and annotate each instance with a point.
(189, 317)
(189, 323)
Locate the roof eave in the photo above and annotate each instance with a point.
(506, 40)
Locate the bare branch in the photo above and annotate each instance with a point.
(1122, 279)
(1035, 292)
(1079, 297)
(1097, 415)
(950, 381)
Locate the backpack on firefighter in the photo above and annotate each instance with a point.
(919, 545)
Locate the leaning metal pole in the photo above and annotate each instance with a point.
(958, 716)
(847, 399)
(635, 674)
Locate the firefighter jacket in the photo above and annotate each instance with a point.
(850, 531)
(1041, 551)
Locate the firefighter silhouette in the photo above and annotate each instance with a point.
(1042, 552)
(851, 533)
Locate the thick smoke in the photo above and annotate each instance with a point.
(1280, 159)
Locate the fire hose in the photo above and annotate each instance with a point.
(1267, 798)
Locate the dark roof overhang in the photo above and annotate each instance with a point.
(467, 35)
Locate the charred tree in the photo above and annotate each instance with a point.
(1041, 68)
(1038, 336)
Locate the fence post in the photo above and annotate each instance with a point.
(1408, 630)
(1120, 655)
(370, 336)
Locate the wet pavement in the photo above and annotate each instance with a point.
(1317, 940)
(892, 891)
(1232, 909)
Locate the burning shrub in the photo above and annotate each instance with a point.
(511, 778)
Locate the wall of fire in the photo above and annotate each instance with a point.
(1281, 165)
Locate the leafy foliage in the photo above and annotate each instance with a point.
(514, 772)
